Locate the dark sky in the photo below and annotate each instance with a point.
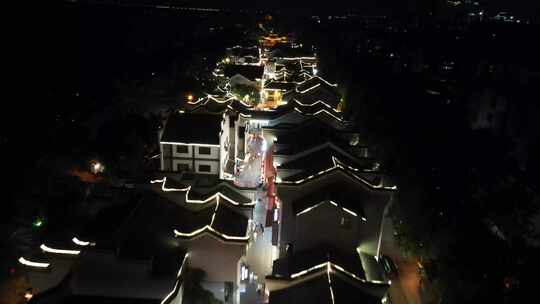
(528, 7)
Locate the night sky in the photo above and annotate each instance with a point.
(526, 7)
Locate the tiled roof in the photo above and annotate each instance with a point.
(192, 129)
(321, 158)
(323, 161)
(200, 193)
(340, 197)
(216, 219)
(328, 287)
(307, 135)
(279, 85)
(251, 72)
(307, 259)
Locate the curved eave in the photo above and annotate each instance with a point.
(326, 171)
(213, 233)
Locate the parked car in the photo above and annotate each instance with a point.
(389, 266)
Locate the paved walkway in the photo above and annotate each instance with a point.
(405, 288)
(259, 254)
(250, 175)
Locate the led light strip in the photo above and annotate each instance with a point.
(328, 270)
(210, 228)
(165, 189)
(303, 272)
(328, 83)
(310, 208)
(82, 243)
(335, 160)
(351, 212)
(33, 264)
(333, 203)
(216, 196)
(207, 227)
(297, 58)
(329, 266)
(175, 288)
(45, 248)
(315, 103)
(308, 89)
(187, 144)
(338, 165)
(318, 112)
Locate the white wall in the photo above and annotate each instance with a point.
(224, 140)
(218, 259)
(187, 155)
(214, 153)
(214, 166)
(176, 162)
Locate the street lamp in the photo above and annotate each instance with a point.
(190, 97)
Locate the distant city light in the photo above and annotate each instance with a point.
(38, 223)
(28, 295)
(96, 167)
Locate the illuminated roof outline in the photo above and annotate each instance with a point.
(216, 227)
(213, 195)
(351, 171)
